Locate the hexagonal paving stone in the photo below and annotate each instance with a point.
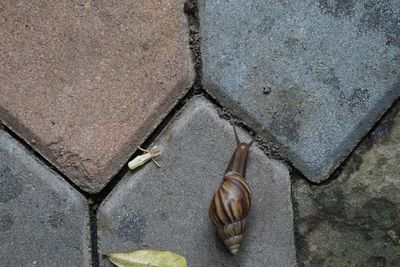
(43, 220)
(314, 75)
(167, 207)
(355, 219)
(85, 82)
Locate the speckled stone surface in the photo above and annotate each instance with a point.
(355, 219)
(333, 68)
(43, 220)
(167, 207)
(85, 82)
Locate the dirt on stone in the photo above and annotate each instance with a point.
(267, 88)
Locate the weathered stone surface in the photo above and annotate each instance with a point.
(355, 219)
(84, 82)
(43, 220)
(332, 66)
(167, 207)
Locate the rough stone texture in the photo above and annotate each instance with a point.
(167, 207)
(333, 68)
(84, 82)
(43, 220)
(355, 219)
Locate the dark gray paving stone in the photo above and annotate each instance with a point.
(333, 68)
(167, 207)
(43, 220)
(355, 219)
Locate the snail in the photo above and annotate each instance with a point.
(231, 203)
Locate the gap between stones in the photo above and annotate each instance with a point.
(346, 167)
(344, 164)
(267, 146)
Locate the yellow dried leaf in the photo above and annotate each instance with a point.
(148, 258)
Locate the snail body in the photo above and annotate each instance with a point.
(231, 203)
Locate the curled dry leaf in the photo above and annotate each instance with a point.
(147, 257)
(142, 159)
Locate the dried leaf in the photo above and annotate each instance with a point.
(148, 258)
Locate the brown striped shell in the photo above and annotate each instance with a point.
(231, 203)
(229, 208)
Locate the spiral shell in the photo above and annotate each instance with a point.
(229, 208)
(231, 203)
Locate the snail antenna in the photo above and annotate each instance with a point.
(251, 142)
(238, 140)
(236, 135)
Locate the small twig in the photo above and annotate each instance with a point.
(150, 154)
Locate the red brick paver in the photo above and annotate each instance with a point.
(85, 82)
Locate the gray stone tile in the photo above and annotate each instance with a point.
(333, 68)
(167, 207)
(355, 219)
(43, 220)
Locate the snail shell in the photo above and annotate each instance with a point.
(231, 203)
